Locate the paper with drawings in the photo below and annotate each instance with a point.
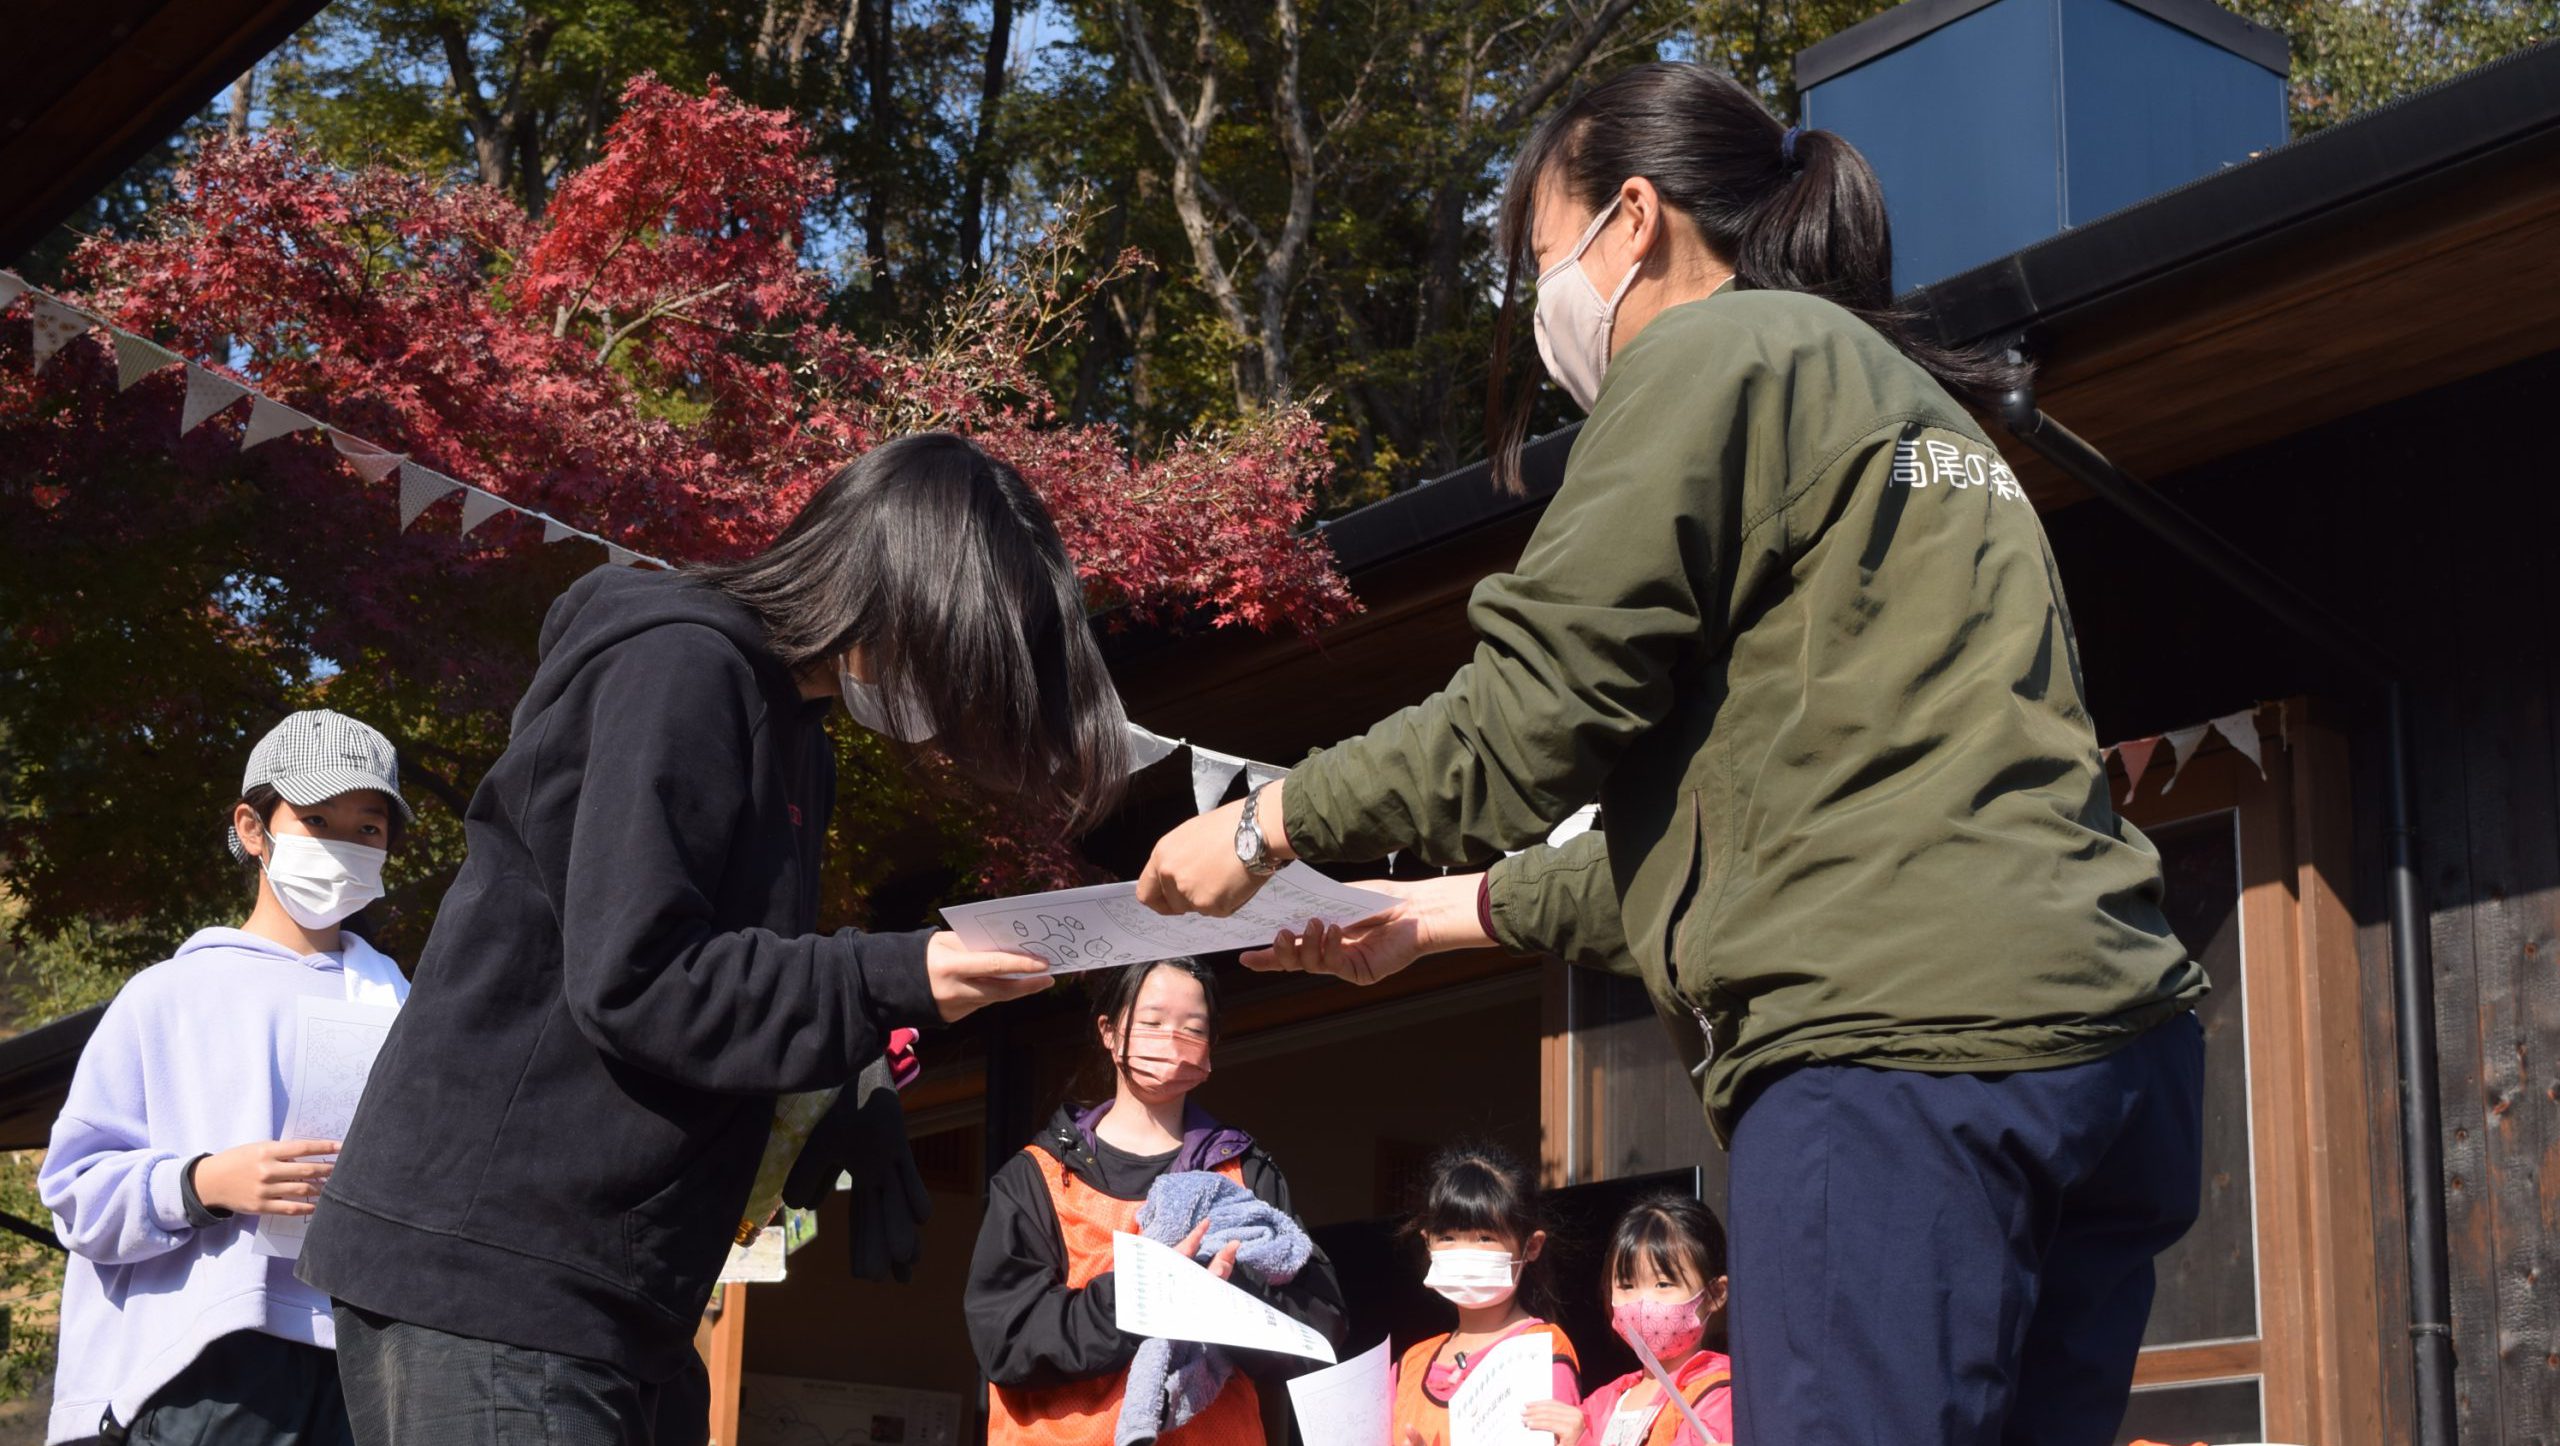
(335, 1042)
(1352, 1404)
(1653, 1367)
(1163, 1294)
(1104, 926)
(1485, 1409)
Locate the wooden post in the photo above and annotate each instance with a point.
(724, 1350)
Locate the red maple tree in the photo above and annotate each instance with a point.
(651, 361)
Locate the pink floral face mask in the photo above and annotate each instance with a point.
(1671, 1329)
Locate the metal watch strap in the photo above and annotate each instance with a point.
(1257, 859)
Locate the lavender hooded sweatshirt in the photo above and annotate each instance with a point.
(191, 1058)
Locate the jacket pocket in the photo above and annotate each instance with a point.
(1690, 983)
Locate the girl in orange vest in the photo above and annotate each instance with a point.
(1485, 1232)
(1040, 1295)
(1666, 1288)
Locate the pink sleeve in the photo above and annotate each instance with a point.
(1568, 1389)
(1716, 1409)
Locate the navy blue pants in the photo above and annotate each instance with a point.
(1957, 1258)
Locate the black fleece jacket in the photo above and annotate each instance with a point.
(1031, 1329)
(560, 1134)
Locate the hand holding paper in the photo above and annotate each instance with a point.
(1164, 1294)
(1489, 1409)
(1104, 926)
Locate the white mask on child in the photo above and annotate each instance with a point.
(319, 881)
(1473, 1278)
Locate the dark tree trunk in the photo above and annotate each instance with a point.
(879, 88)
(973, 190)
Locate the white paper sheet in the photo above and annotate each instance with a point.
(1105, 926)
(1352, 1404)
(1163, 1294)
(1485, 1409)
(1653, 1367)
(334, 1047)
(758, 1263)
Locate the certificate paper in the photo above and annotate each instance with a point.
(1163, 1294)
(1352, 1404)
(1485, 1409)
(1104, 926)
(333, 1053)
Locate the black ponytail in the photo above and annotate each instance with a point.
(1789, 210)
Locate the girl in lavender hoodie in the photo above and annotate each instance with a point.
(176, 1325)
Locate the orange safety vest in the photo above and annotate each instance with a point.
(1668, 1423)
(1414, 1404)
(1085, 1413)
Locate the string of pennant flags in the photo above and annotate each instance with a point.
(2239, 729)
(57, 324)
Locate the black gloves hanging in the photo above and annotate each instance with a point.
(865, 1136)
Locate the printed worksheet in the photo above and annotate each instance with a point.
(1163, 1294)
(1485, 1410)
(1352, 1404)
(333, 1054)
(1104, 926)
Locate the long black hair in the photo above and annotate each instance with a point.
(943, 567)
(1482, 1186)
(1801, 213)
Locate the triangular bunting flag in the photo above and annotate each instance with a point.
(2136, 755)
(1147, 748)
(270, 419)
(11, 288)
(56, 324)
(137, 357)
(619, 555)
(479, 507)
(1211, 773)
(554, 530)
(2182, 746)
(2242, 729)
(207, 393)
(420, 489)
(1262, 775)
(371, 462)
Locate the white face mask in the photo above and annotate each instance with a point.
(870, 709)
(1572, 321)
(1473, 1278)
(320, 882)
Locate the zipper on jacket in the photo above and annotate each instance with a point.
(1706, 1028)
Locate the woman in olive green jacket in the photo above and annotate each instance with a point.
(1792, 621)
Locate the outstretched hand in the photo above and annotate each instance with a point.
(966, 980)
(1429, 917)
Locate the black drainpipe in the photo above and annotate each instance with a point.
(2412, 976)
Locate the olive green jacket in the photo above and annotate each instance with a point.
(1795, 625)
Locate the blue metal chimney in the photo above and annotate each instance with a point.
(1997, 123)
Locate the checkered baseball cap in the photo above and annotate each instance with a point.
(315, 755)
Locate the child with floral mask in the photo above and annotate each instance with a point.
(1039, 1301)
(1481, 1223)
(1666, 1275)
(179, 1320)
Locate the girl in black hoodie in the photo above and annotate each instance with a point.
(534, 1202)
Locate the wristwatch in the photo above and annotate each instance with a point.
(1251, 851)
